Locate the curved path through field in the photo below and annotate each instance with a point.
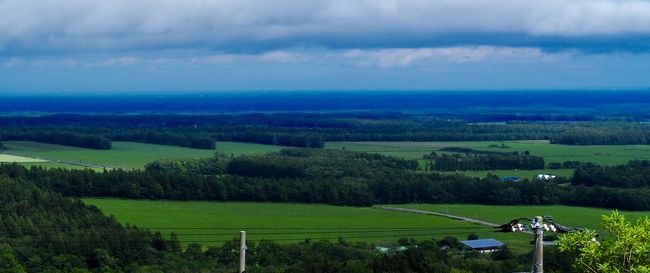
(441, 214)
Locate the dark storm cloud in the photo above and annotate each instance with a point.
(48, 27)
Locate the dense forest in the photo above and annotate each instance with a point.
(42, 231)
(635, 174)
(320, 176)
(58, 137)
(312, 129)
(619, 135)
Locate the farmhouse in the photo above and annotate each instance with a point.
(546, 177)
(483, 245)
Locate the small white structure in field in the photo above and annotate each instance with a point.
(546, 177)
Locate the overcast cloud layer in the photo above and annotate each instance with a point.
(55, 26)
(323, 44)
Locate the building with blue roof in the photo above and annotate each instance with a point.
(510, 178)
(483, 245)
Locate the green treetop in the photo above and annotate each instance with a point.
(626, 249)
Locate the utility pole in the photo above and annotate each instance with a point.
(538, 261)
(242, 251)
(538, 226)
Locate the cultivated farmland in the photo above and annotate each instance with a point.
(565, 215)
(18, 159)
(128, 155)
(212, 223)
(601, 154)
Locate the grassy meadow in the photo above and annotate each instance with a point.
(6, 158)
(126, 155)
(212, 223)
(601, 154)
(565, 215)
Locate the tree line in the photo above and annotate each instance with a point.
(67, 138)
(491, 161)
(321, 176)
(635, 174)
(314, 129)
(617, 135)
(190, 140)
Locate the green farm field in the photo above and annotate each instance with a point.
(212, 223)
(5, 158)
(601, 154)
(54, 165)
(127, 155)
(565, 215)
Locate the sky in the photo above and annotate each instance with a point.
(215, 45)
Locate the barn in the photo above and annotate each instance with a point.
(483, 245)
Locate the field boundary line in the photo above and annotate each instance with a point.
(67, 162)
(441, 214)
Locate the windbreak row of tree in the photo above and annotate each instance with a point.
(313, 129)
(570, 164)
(101, 137)
(635, 174)
(475, 162)
(632, 135)
(321, 176)
(68, 138)
(41, 231)
(297, 139)
(190, 140)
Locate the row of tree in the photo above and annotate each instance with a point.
(67, 138)
(321, 176)
(604, 136)
(569, 164)
(635, 174)
(273, 138)
(475, 162)
(187, 139)
(313, 129)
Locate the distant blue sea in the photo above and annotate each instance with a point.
(219, 102)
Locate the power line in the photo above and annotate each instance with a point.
(314, 231)
(272, 239)
(251, 228)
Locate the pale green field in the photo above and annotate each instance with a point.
(565, 215)
(6, 158)
(54, 165)
(212, 223)
(127, 155)
(601, 154)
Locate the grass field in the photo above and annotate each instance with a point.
(565, 215)
(51, 165)
(6, 158)
(601, 154)
(215, 222)
(128, 155)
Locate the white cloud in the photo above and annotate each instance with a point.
(381, 58)
(403, 57)
(45, 26)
